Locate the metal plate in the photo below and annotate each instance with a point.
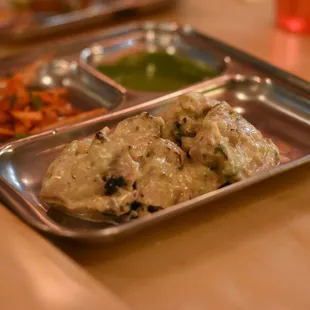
(258, 99)
(100, 11)
(276, 102)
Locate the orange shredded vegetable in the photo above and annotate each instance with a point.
(24, 112)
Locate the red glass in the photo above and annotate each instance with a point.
(293, 15)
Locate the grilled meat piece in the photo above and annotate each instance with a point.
(220, 138)
(150, 163)
(184, 118)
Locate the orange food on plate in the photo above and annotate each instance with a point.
(24, 111)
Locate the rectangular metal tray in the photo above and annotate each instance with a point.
(276, 102)
(99, 12)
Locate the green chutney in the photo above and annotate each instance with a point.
(156, 72)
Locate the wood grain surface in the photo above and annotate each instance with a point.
(248, 251)
(36, 276)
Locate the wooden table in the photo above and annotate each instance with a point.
(36, 276)
(248, 251)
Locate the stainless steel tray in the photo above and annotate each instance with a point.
(99, 12)
(276, 102)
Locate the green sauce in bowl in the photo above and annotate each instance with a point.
(156, 72)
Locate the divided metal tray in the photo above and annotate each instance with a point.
(276, 102)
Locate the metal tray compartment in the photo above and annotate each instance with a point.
(259, 100)
(150, 38)
(85, 91)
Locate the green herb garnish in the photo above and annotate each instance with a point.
(221, 149)
(20, 135)
(36, 102)
(13, 101)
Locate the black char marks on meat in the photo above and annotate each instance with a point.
(135, 205)
(178, 133)
(100, 136)
(113, 184)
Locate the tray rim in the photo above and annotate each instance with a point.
(106, 234)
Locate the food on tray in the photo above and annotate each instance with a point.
(158, 71)
(25, 111)
(149, 163)
(212, 133)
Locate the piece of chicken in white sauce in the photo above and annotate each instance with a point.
(168, 177)
(85, 181)
(131, 171)
(212, 133)
(101, 177)
(149, 163)
(183, 120)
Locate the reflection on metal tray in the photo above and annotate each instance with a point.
(45, 24)
(259, 100)
(85, 91)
